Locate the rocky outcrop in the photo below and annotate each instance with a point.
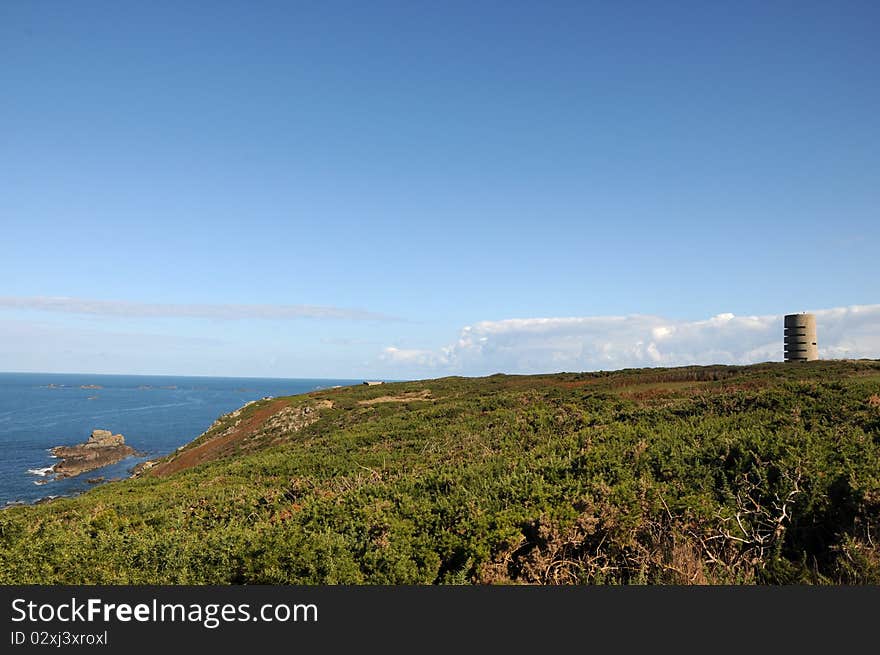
(143, 466)
(245, 429)
(102, 448)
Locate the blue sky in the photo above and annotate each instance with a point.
(193, 177)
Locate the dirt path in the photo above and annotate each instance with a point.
(425, 394)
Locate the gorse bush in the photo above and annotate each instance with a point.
(760, 474)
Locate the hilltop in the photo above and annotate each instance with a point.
(720, 474)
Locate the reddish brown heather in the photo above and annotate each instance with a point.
(219, 446)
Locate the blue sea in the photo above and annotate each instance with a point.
(155, 414)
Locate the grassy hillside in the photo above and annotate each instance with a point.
(759, 474)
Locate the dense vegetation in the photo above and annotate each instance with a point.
(759, 474)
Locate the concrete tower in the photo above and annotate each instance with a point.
(800, 338)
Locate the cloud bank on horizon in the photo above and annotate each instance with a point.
(127, 309)
(536, 345)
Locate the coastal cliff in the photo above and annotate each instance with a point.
(255, 426)
(763, 474)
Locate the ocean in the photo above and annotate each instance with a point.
(155, 414)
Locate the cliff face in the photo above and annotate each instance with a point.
(252, 427)
(101, 449)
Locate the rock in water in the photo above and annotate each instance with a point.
(102, 448)
(104, 439)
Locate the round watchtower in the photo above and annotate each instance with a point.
(800, 338)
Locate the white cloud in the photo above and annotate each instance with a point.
(127, 309)
(532, 345)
